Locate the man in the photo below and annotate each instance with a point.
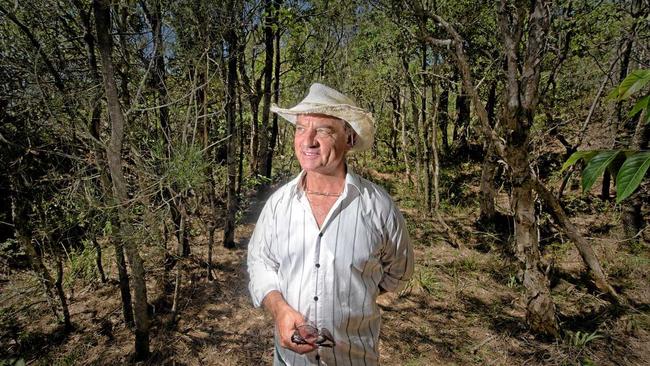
(327, 243)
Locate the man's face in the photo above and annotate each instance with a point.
(320, 143)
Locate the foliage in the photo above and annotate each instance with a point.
(631, 172)
(581, 339)
(632, 84)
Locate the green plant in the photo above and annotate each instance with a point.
(512, 281)
(428, 281)
(579, 339)
(82, 265)
(12, 362)
(628, 166)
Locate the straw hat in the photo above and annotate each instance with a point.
(325, 100)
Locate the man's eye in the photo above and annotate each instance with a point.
(324, 131)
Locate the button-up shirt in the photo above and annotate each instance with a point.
(333, 274)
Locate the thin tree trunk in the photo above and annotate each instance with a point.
(61, 293)
(428, 181)
(98, 260)
(586, 251)
(395, 128)
(405, 143)
(434, 150)
(461, 125)
(20, 210)
(122, 274)
(488, 190)
(113, 153)
(443, 113)
(276, 89)
(416, 127)
(265, 138)
(631, 215)
(231, 115)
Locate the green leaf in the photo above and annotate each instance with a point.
(634, 82)
(643, 103)
(582, 154)
(631, 174)
(596, 167)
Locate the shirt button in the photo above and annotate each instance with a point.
(317, 357)
(320, 235)
(317, 265)
(315, 298)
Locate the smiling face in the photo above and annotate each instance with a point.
(320, 143)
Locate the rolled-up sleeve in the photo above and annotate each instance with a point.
(398, 258)
(262, 263)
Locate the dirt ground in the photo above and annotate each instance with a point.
(463, 307)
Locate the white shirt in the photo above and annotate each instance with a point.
(331, 275)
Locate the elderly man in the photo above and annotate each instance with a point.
(328, 242)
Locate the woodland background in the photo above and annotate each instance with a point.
(136, 148)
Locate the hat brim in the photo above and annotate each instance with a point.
(360, 120)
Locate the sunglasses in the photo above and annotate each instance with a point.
(309, 334)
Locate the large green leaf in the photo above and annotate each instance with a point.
(582, 154)
(634, 82)
(631, 173)
(596, 167)
(640, 105)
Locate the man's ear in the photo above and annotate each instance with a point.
(352, 139)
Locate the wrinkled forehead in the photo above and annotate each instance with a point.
(320, 119)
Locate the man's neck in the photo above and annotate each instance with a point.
(325, 183)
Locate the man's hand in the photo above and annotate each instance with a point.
(286, 321)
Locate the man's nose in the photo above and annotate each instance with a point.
(310, 137)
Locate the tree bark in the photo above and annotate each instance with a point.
(264, 136)
(415, 115)
(428, 179)
(113, 152)
(98, 260)
(273, 138)
(443, 113)
(231, 116)
(61, 294)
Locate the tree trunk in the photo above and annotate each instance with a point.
(395, 128)
(434, 149)
(265, 128)
(59, 291)
(113, 153)
(20, 210)
(273, 138)
(443, 113)
(521, 100)
(405, 142)
(416, 126)
(98, 260)
(231, 115)
(632, 216)
(540, 309)
(488, 191)
(122, 274)
(428, 179)
(461, 125)
(586, 251)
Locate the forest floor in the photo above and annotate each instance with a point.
(464, 306)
